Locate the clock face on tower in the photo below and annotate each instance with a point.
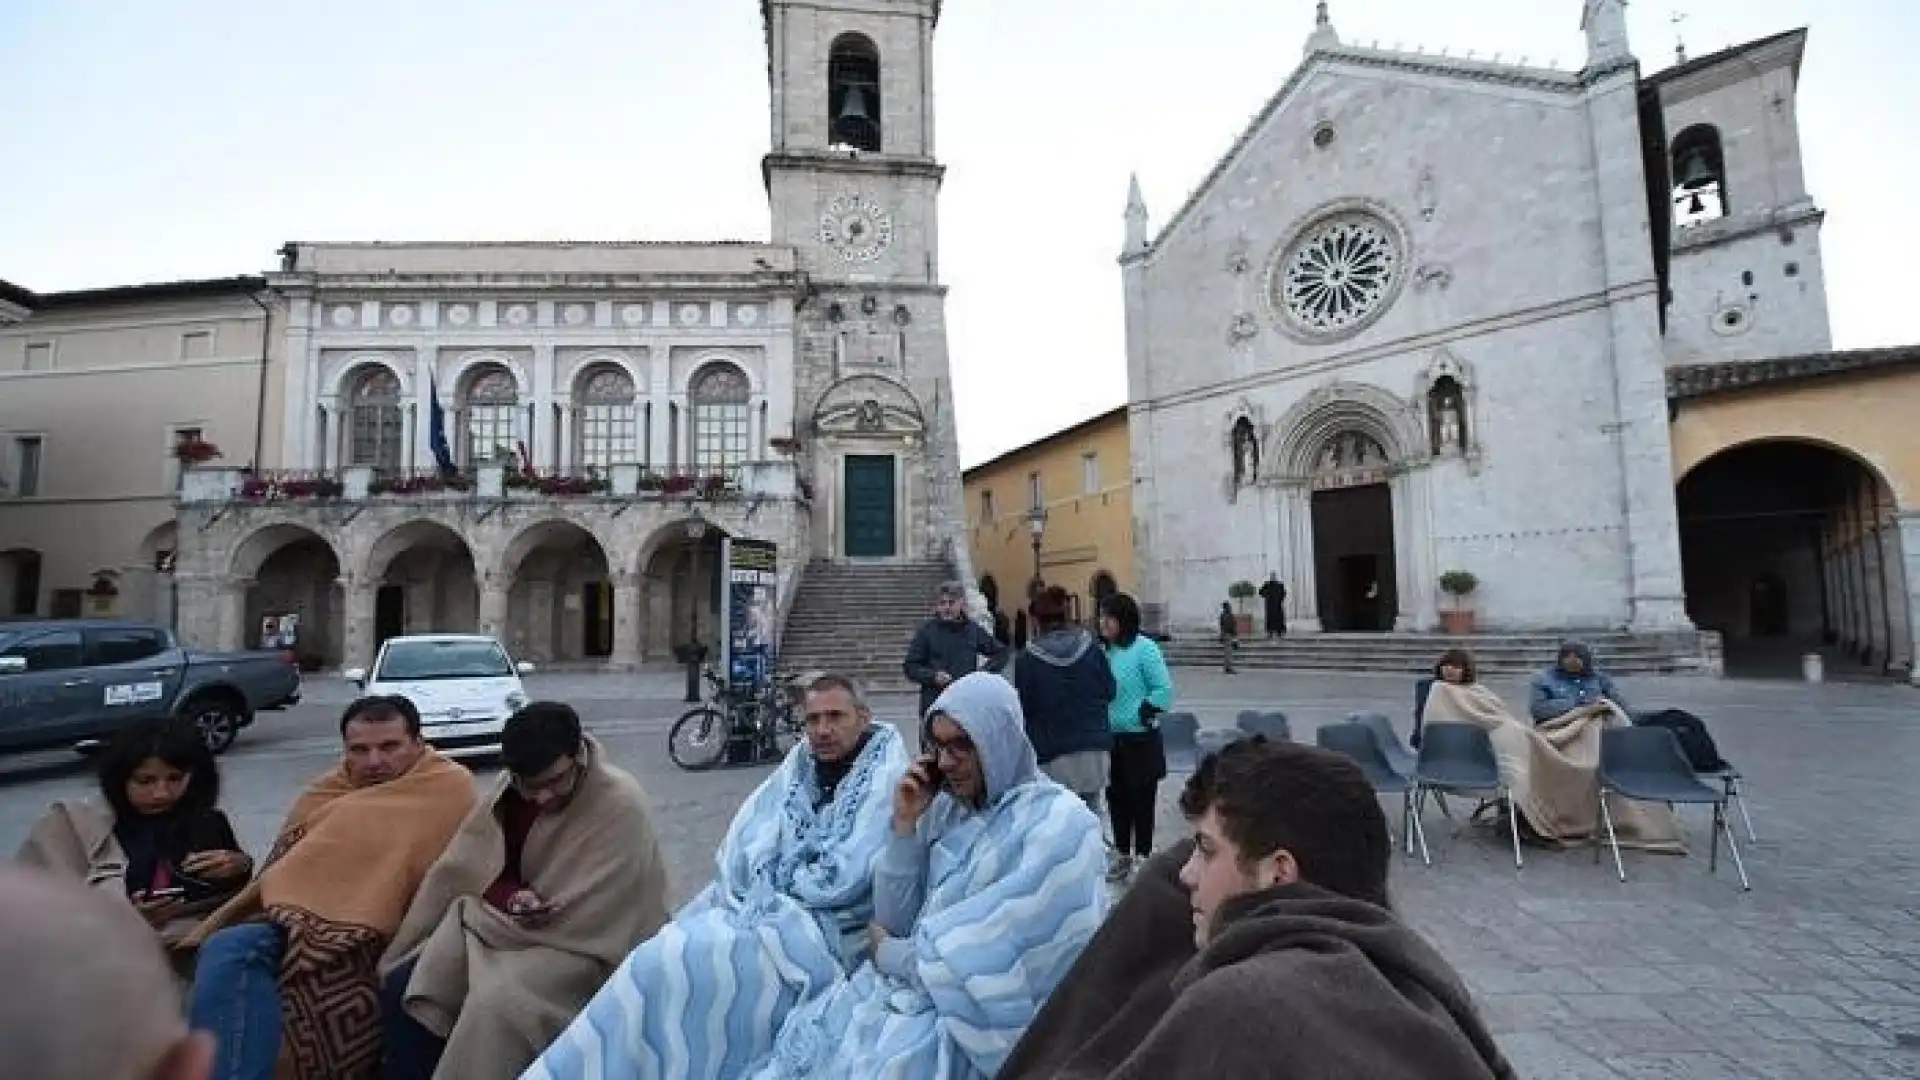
(856, 228)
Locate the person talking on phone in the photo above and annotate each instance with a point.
(988, 889)
(157, 833)
(549, 883)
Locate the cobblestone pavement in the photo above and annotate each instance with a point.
(1674, 975)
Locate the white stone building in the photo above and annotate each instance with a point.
(612, 409)
(1419, 320)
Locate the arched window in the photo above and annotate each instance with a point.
(605, 415)
(853, 95)
(721, 419)
(378, 430)
(492, 407)
(1699, 176)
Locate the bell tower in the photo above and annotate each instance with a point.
(853, 187)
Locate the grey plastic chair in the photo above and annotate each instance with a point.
(1458, 758)
(1398, 754)
(1271, 724)
(1213, 740)
(1646, 764)
(1177, 733)
(1358, 742)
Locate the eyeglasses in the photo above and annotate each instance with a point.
(560, 785)
(956, 746)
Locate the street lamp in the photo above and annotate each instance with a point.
(1037, 525)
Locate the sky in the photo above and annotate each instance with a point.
(148, 140)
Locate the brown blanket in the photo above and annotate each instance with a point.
(342, 873)
(1552, 771)
(1120, 987)
(498, 992)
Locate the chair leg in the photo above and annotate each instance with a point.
(1445, 810)
(1613, 839)
(1513, 826)
(1733, 849)
(1713, 837)
(1418, 832)
(1738, 799)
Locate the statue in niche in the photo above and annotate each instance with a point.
(869, 417)
(1246, 452)
(1447, 415)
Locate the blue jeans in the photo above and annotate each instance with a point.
(236, 997)
(410, 1052)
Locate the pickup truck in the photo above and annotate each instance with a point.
(70, 683)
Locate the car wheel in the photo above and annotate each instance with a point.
(217, 722)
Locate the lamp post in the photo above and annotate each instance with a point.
(1036, 525)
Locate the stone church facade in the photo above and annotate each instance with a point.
(547, 441)
(1420, 319)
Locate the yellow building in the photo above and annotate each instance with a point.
(1081, 482)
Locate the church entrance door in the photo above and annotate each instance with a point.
(869, 519)
(1354, 558)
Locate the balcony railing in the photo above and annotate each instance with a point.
(359, 483)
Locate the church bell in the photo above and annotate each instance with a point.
(1695, 171)
(854, 113)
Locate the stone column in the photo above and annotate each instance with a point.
(1909, 550)
(627, 601)
(1303, 590)
(1413, 553)
(1875, 597)
(566, 461)
(540, 643)
(329, 436)
(539, 440)
(1900, 649)
(659, 393)
(493, 607)
(233, 633)
(357, 642)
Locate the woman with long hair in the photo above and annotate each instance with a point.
(1143, 689)
(155, 834)
(1456, 668)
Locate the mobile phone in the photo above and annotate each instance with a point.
(930, 765)
(175, 893)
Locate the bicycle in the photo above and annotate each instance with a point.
(764, 719)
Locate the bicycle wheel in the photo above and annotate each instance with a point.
(698, 739)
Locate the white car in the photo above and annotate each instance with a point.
(465, 686)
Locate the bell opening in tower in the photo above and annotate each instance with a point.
(853, 95)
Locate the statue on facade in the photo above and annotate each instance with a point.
(1246, 452)
(1447, 416)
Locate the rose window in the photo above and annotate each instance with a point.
(1338, 275)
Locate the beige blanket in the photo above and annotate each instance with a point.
(499, 993)
(75, 840)
(1553, 770)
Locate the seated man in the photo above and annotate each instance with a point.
(1573, 685)
(545, 889)
(303, 941)
(992, 884)
(1292, 965)
(91, 997)
(785, 916)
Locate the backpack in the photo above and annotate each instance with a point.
(1691, 732)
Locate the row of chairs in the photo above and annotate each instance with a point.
(1644, 764)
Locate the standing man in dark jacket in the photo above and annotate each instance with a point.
(1274, 595)
(1065, 687)
(948, 646)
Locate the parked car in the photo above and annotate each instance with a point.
(70, 683)
(465, 686)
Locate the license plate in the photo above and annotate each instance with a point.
(470, 727)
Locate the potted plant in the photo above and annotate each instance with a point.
(1458, 584)
(785, 444)
(1241, 592)
(195, 451)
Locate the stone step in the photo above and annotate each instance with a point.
(859, 619)
(1416, 653)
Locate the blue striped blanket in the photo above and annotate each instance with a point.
(784, 919)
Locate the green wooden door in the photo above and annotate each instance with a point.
(869, 521)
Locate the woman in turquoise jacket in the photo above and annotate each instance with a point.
(1143, 690)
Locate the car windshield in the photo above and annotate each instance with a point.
(412, 661)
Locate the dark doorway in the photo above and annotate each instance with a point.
(869, 518)
(25, 568)
(1767, 606)
(1786, 548)
(389, 613)
(596, 612)
(1354, 559)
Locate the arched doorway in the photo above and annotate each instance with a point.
(1790, 546)
(424, 581)
(682, 573)
(561, 605)
(289, 570)
(1353, 530)
(19, 583)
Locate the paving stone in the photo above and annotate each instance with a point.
(1538, 1054)
(1802, 1006)
(1676, 1067)
(1847, 1033)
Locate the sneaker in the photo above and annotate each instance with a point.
(1120, 872)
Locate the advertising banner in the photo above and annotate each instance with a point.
(752, 599)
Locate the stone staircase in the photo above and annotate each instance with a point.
(1690, 653)
(858, 618)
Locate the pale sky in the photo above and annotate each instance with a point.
(145, 140)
